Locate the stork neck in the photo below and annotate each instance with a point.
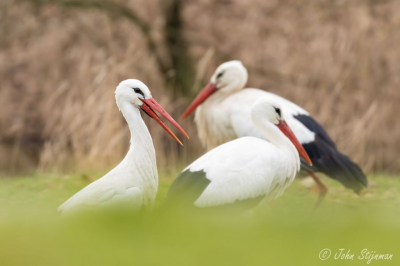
(276, 137)
(141, 144)
(141, 155)
(220, 95)
(231, 88)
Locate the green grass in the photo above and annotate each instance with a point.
(285, 232)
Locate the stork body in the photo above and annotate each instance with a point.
(244, 171)
(134, 182)
(223, 114)
(225, 117)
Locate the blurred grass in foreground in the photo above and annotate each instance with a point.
(283, 233)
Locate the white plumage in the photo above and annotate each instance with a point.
(134, 182)
(245, 168)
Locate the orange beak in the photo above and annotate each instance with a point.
(283, 126)
(203, 95)
(149, 105)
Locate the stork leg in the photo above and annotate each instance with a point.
(321, 187)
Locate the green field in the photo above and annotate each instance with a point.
(285, 232)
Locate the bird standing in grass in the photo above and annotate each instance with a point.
(134, 182)
(241, 173)
(224, 113)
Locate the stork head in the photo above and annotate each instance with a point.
(229, 77)
(132, 91)
(136, 93)
(267, 110)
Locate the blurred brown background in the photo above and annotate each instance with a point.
(60, 62)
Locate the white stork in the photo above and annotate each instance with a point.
(134, 182)
(223, 114)
(243, 172)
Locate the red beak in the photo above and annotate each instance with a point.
(203, 95)
(149, 105)
(290, 135)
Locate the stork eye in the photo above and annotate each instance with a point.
(278, 111)
(137, 90)
(220, 75)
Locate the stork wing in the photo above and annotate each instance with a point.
(316, 128)
(327, 159)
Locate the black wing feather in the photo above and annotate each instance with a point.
(315, 127)
(328, 160)
(187, 188)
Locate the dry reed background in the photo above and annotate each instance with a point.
(59, 68)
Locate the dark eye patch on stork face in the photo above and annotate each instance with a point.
(278, 111)
(137, 90)
(220, 75)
